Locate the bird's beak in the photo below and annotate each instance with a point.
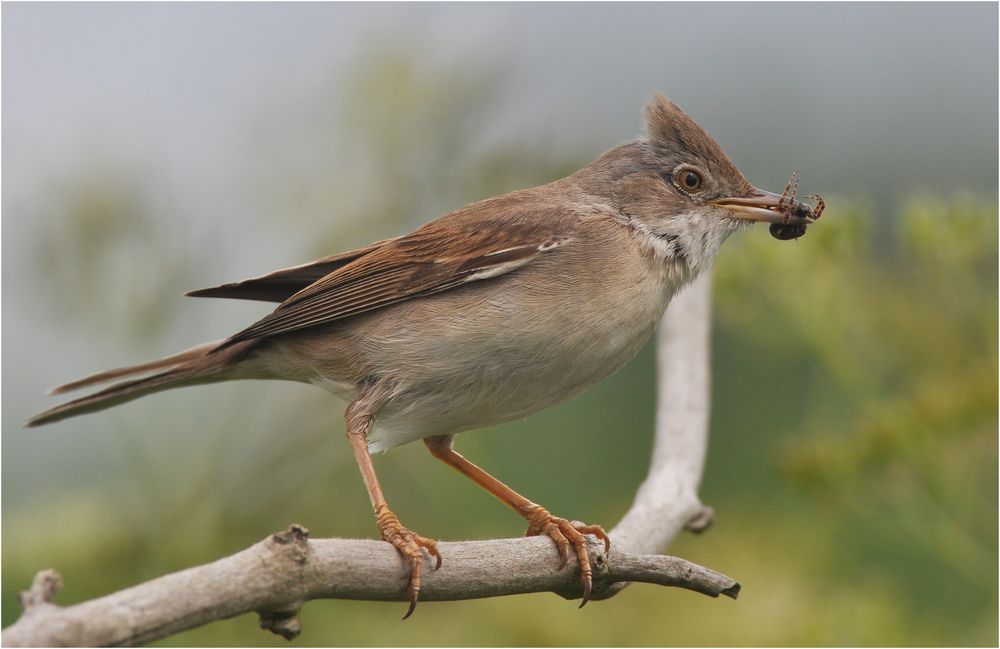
(760, 205)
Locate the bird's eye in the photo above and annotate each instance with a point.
(688, 179)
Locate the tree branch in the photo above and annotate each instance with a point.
(276, 576)
(667, 500)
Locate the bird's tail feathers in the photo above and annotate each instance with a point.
(145, 368)
(195, 365)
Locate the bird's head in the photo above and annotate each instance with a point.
(684, 193)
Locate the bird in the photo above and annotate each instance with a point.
(489, 313)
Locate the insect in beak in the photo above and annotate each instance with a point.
(787, 215)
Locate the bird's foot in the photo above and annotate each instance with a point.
(411, 545)
(566, 534)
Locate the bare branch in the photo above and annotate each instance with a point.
(668, 499)
(276, 576)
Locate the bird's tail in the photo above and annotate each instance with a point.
(192, 366)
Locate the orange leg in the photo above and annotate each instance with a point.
(540, 521)
(410, 545)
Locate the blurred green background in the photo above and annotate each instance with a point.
(853, 462)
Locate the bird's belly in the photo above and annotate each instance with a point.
(496, 386)
(467, 372)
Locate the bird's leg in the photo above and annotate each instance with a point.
(359, 420)
(540, 521)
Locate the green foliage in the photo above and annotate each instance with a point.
(897, 426)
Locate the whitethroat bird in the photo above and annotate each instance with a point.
(486, 314)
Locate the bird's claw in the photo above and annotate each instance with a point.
(565, 534)
(411, 545)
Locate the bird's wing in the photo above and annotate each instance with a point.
(453, 250)
(280, 285)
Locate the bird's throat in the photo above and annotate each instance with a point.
(685, 247)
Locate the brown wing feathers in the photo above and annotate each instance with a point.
(282, 284)
(430, 260)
